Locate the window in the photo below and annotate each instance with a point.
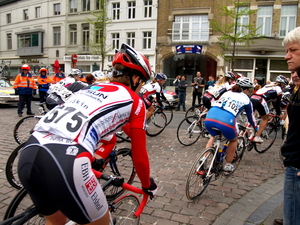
(85, 37)
(115, 40)
(73, 6)
(56, 35)
(278, 65)
(264, 20)
(9, 41)
(147, 40)
(86, 5)
(131, 10)
(28, 40)
(116, 11)
(98, 32)
(131, 38)
(191, 28)
(148, 9)
(243, 64)
(242, 22)
(8, 18)
(73, 34)
(25, 14)
(56, 8)
(288, 19)
(37, 12)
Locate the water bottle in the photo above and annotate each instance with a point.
(222, 152)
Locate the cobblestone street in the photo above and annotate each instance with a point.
(170, 165)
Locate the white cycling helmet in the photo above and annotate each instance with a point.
(244, 82)
(75, 72)
(98, 74)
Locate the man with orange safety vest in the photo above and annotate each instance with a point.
(44, 82)
(25, 87)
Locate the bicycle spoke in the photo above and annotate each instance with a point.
(188, 133)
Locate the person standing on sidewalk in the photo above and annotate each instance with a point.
(198, 85)
(176, 82)
(44, 82)
(182, 85)
(25, 86)
(58, 76)
(290, 150)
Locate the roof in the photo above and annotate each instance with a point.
(6, 2)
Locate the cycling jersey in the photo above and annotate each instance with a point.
(268, 93)
(224, 111)
(150, 89)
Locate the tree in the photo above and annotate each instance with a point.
(99, 23)
(238, 30)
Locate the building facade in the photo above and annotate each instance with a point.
(41, 32)
(186, 42)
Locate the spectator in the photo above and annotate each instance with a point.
(25, 86)
(182, 93)
(176, 82)
(211, 82)
(44, 82)
(198, 85)
(58, 76)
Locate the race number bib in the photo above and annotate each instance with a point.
(228, 105)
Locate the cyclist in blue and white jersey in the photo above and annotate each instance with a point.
(269, 93)
(218, 89)
(222, 116)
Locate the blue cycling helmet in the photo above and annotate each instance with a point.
(161, 76)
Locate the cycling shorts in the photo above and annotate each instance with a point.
(207, 99)
(260, 105)
(59, 177)
(147, 100)
(218, 119)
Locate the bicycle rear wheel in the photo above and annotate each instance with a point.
(122, 210)
(23, 129)
(11, 168)
(119, 163)
(198, 178)
(21, 203)
(188, 132)
(269, 136)
(156, 124)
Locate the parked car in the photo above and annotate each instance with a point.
(172, 97)
(7, 93)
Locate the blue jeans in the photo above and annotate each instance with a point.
(182, 97)
(291, 205)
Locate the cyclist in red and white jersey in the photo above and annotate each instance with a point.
(153, 88)
(56, 163)
(218, 89)
(269, 93)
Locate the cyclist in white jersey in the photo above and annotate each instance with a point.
(222, 116)
(269, 93)
(218, 89)
(153, 88)
(56, 163)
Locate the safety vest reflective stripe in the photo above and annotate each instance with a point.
(24, 82)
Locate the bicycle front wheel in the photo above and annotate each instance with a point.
(269, 136)
(239, 152)
(188, 132)
(194, 111)
(24, 128)
(119, 163)
(156, 124)
(22, 203)
(199, 178)
(11, 169)
(122, 210)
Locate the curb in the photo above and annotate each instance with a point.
(251, 209)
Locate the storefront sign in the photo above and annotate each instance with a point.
(181, 49)
(83, 58)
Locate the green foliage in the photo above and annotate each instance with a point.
(99, 23)
(233, 32)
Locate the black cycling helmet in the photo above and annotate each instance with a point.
(161, 76)
(129, 57)
(282, 79)
(230, 75)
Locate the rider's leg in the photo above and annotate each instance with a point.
(231, 150)
(262, 125)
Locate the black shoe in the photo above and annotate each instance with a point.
(184, 110)
(20, 114)
(278, 221)
(30, 114)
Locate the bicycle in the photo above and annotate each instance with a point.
(24, 128)
(119, 163)
(125, 209)
(191, 128)
(195, 110)
(168, 111)
(156, 123)
(209, 164)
